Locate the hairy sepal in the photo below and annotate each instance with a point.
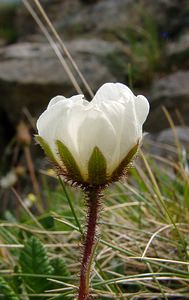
(73, 172)
(46, 148)
(124, 165)
(97, 168)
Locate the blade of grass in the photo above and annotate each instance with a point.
(158, 193)
(64, 48)
(70, 204)
(54, 47)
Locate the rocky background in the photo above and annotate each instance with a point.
(142, 43)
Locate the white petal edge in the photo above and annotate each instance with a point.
(55, 100)
(142, 108)
(112, 92)
(75, 98)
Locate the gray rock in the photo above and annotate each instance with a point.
(30, 74)
(171, 16)
(72, 18)
(172, 92)
(165, 144)
(93, 46)
(101, 16)
(168, 137)
(57, 11)
(177, 52)
(173, 86)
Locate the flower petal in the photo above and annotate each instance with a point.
(142, 108)
(51, 122)
(113, 92)
(95, 131)
(77, 98)
(55, 100)
(115, 113)
(131, 131)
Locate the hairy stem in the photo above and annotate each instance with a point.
(93, 209)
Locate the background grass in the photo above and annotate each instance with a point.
(142, 244)
(7, 19)
(142, 250)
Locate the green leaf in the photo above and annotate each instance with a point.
(60, 268)
(97, 168)
(47, 222)
(17, 281)
(34, 261)
(125, 163)
(7, 291)
(69, 162)
(46, 148)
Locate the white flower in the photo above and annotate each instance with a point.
(111, 123)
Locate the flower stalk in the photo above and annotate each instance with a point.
(93, 202)
(91, 145)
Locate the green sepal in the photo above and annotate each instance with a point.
(46, 148)
(125, 163)
(69, 162)
(97, 168)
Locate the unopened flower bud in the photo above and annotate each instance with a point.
(92, 143)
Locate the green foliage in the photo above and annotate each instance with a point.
(60, 268)
(6, 291)
(34, 261)
(145, 50)
(144, 228)
(7, 26)
(117, 62)
(142, 245)
(46, 148)
(17, 281)
(8, 34)
(97, 167)
(69, 162)
(47, 222)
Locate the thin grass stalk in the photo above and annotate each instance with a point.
(64, 48)
(70, 204)
(158, 193)
(33, 177)
(171, 123)
(54, 47)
